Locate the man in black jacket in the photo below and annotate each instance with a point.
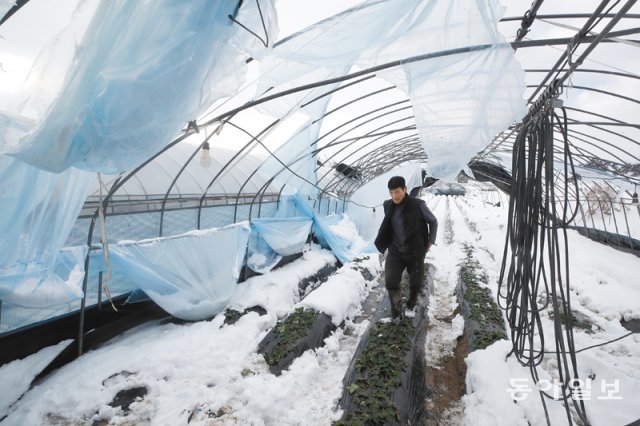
(408, 230)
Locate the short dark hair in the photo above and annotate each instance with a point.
(396, 182)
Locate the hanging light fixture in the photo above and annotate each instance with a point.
(205, 156)
(634, 197)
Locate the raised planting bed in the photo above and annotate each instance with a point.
(231, 316)
(303, 329)
(308, 284)
(483, 320)
(385, 382)
(291, 337)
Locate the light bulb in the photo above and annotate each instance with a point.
(205, 157)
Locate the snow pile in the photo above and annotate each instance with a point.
(16, 376)
(341, 296)
(277, 291)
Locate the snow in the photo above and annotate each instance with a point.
(16, 376)
(341, 296)
(277, 291)
(211, 373)
(603, 289)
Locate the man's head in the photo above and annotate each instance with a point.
(397, 189)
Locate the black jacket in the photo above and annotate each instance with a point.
(416, 228)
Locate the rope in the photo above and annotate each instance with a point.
(105, 246)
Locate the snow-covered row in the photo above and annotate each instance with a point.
(602, 290)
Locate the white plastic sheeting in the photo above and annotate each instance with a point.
(294, 163)
(343, 248)
(284, 236)
(273, 238)
(156, 177)
(144, 70)
(191, 276)
(36, 215)
(50, 287)
(461, 98)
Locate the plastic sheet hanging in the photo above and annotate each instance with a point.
(323, 227)
(273, 238)
(140, 72)
(463, 81)
(285, 236)
(191, 276)
(38, 211)
(43, 288)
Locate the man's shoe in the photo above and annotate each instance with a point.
(395, 300)
(410, 313)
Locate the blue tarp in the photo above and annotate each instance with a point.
(192, 276)
(273, 238)
(328, 239)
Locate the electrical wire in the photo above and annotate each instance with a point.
(283, 164)
(534, 275)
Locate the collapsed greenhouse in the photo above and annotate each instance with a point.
(191, 190)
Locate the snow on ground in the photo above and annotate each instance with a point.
(603, 289)
(444, 257)
(16, 376)
(210, 372)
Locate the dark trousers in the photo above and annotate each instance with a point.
(395, 264)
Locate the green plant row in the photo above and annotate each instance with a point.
(288, 333)
(482, 307)
(378, 374)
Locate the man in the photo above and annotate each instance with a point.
(408, 230)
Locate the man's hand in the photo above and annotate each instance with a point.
(429, 246)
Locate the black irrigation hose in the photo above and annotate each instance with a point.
(536, 276)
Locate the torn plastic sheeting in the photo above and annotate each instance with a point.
(191, 276)
(454, 128)
(273, 238)
(42, 288)
(329, 239)
(460, 100)
(285, 236)
(260, 256)
(143, 70)
(38, 211)
(339, 246)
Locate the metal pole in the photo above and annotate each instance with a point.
(624, 211)
(100, 291)
(615, 222)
